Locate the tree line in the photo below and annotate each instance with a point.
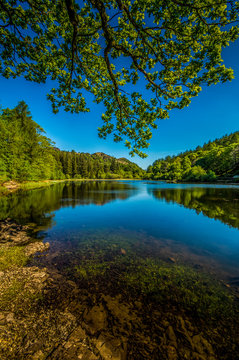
(217, 159)
(27, 154)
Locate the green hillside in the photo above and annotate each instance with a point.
(218, 159)
(96, 166)
(27, 154)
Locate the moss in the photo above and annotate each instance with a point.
(10, 294)
(12, 257)
(170, 284)
(17, 296)
(194, 291)
(91, 268)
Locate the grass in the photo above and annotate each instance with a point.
(27, 185)
(12, 257)
(3, 190)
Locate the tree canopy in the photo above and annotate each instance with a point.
(140, 58)
(215, 159)
(27, 154)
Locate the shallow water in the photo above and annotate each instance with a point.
(172, 247)
(192, 222)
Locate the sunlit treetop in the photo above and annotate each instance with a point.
(139, 58)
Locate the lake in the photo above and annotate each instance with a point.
(162, 259)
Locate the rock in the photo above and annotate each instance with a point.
(95, 319)
(111, 348)
(11, 185)
(197, 266)
(35, 247)
(201, 345)
(123, 251)
(10, 317)
(2, 318)
(172, 353)
(171, 335)
(13, 234)
(38, 355)
(87, 355)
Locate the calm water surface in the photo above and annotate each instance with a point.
(189, 223)
(156, 265)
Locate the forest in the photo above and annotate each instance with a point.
(214, 160)
(27, 154)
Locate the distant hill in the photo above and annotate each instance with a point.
(97, 166)
(218, 159)
(102, 155)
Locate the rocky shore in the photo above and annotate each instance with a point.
(44, 315)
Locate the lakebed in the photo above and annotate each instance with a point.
(120, 270)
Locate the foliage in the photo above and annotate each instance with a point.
(106, 47)
(3, 190)
(26, 154)
(97, 166)
(216, 159)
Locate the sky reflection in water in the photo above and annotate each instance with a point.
(193, 222)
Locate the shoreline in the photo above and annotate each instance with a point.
(13, 186)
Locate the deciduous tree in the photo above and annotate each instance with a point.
(104, 47)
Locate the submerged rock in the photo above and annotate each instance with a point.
(123, 251)
(35, 247)
(95, 319)
(111, 348)
(12, 233)
(45, 314)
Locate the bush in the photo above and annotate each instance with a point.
(196, 173)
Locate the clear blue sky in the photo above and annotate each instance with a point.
(214, 113)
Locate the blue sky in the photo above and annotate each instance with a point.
(214, 113)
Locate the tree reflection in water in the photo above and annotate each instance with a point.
(36, 206)
(216, 203)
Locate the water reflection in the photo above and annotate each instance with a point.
(95, 192)
(36, 206)
(216, 203)
(161, 278)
